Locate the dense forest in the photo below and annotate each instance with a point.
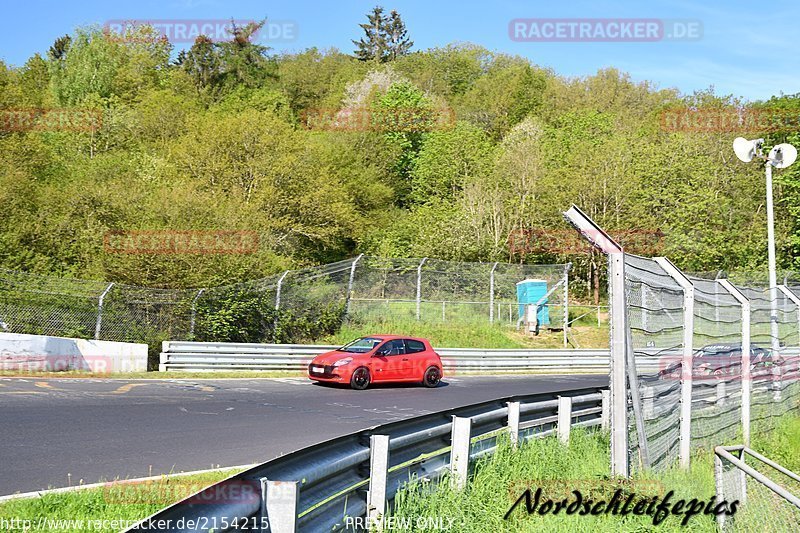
(461, 149)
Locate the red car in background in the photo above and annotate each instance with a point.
(379, 359)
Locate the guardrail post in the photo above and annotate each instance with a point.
(279, 501)
(378, 469)
(163, 357)
(746, 374)
(491, 293)
(513, 423)
(564, 418)
(605, 414)
(100, 312)
(350, 281)
(720, 399)
(459, 450)
(419, 284)
(687, 357)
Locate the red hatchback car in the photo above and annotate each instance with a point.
(379, 359)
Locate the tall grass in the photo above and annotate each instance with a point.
(468, 334)
(496, 482)
(583, 465)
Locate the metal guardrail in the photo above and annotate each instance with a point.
(357, 475)
(180, 355)
(732, 485)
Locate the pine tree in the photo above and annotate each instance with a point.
(202, 62)
(59, 49)
(397, 37)
(373, 46)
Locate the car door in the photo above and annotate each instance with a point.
(416, 359)
(387, 361)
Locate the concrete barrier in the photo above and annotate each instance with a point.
(39, 353)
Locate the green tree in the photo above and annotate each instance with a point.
(385, 37)
(397, 41)
(373, 46)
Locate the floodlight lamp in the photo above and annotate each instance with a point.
(782, 155)
(745, 149)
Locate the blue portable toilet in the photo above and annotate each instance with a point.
(529, 292)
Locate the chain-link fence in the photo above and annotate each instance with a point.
(767, 493)
(721, 325)
(293, 306)
(433, 291)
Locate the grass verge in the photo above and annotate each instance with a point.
(471, 335)
(497, 482)
(112, 507)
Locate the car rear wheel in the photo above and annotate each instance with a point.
(432, 377)
(360, 378)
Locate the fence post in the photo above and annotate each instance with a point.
(720, 483)
(279, 502)
(419, 284)
(564, 418)
(277, 306)
(99, 322)
(746, 377)
(513, 423)
(350, 281)
(567, 268)
(378, 469)
(605, 403)
(491, 293)
(686, 357)
(619, 335)
(194, 313)
(459, 450)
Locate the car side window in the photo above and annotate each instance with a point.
(394, 347)
(413, 346)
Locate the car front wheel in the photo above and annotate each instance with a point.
(432, 377)
(360, 378)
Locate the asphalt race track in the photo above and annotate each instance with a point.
(61, 431)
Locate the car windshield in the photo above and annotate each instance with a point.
(719, 351)
(362, 345)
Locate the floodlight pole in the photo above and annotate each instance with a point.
(773, 277)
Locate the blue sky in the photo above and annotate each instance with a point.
(747, 49)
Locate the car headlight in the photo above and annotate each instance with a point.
(342, 362)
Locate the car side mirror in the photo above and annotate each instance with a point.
(380, 353)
